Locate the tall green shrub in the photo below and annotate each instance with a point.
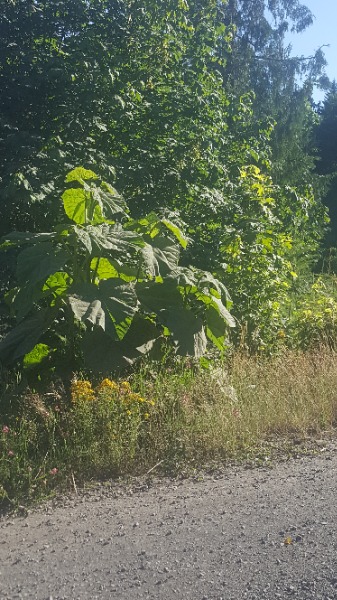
(108, 286)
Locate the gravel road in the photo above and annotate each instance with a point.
(257, 534)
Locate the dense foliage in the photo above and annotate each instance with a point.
(262, 61)
(196, 109)
(108, 289)
(326, 143)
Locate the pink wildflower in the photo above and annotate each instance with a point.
(5, 429)
(53, 471)
(11, 453)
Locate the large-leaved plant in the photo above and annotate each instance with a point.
(109, 287)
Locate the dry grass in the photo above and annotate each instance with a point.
(228, 411)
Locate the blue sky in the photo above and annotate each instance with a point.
(323, 31)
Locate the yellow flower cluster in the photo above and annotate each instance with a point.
(107, 385)
(134, 400)
(125, 387)
(81, 390)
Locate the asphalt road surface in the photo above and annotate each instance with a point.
(257, 534)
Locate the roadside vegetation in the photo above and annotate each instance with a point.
(166, 421)
(168, 225)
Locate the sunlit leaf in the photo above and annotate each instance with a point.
(102, 268)
(36, 355)
(80, 174)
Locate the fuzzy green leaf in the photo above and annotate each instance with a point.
(161, 257)
(103, 268)
(24, 336)
(80, 206)
(80, 175)
(187, 331)
(19, 238)
(217, 328)
(109, 306)
(110, 202)
(57, 283)
(112, 241)
(155, 296)
(38, 262)
(23, 299)
(104, 355)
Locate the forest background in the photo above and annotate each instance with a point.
(222, 233)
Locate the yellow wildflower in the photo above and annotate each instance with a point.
(107, 385)
(81, 390)
(136, 398)
(125, 387)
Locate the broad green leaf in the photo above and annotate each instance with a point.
(216, 329)
(144, 335)
(57, 284)
(103, 269)
(83, 238)
(38, 262)
(187, 331)
(24, 336)
(155, 297)
(80, 174)
(126, 272)
(110, 202)
(88, 311)
(161, 257)
(150, 225)
(180, 236)
(206, 290)
(223, 312)
(36, 356)
(210, 300)
(110, 306)
(19, 238)
(185, 278)
(216, 287)
(120, 301)
(80, 206)
(23, 299)
(111, 241)
(104, 355)
(91, 204)
(165, 301)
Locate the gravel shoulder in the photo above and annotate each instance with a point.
(257, 534)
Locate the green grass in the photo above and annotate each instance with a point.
(50, 443)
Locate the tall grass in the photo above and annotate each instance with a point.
(164, 419)
(229, 409)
